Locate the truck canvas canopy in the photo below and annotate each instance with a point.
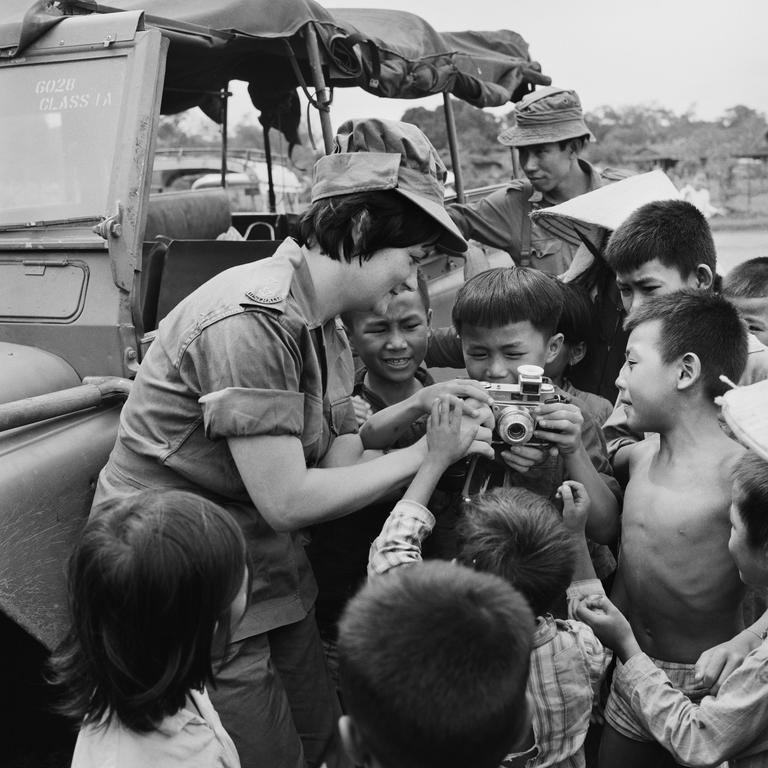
(269, 45)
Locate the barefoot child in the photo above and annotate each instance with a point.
(675, 580)
(157, 582)
(733, 724)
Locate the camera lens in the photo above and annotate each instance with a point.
(515, 425)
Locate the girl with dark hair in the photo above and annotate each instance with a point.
(157, 582)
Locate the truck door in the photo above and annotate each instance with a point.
(77, 134)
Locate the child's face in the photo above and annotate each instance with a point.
(393, 344)
(751, 561)
(645, 382)
(494, 354)
(651, 279)
(754, 312)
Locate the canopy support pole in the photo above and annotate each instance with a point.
(321, 89)
(453, 144)
(224, 95)
(270, 180)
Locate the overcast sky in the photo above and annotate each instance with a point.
(681, 54)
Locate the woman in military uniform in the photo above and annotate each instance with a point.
(243, 397)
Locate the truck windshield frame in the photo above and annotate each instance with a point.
(59, 137)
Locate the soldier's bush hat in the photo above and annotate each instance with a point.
(373, 154)
(546, 115)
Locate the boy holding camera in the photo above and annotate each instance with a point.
(507, 318)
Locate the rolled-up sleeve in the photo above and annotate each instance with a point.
(248, 368)
(239, 412)
(399, 542)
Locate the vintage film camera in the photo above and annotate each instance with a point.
(513, 406)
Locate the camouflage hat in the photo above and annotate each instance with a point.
(547, 115)
(373, 154)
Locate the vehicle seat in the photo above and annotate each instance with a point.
(190, 263)
(188, 215)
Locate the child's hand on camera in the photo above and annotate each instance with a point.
(559, 424)
(451, 436)
(576, 505)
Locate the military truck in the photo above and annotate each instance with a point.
(91, 260)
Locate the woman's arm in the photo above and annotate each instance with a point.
(384, 428)
(290, 496)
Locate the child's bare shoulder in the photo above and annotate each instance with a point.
(642, 450)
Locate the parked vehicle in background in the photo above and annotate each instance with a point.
(91, 258)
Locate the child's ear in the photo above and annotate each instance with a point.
(429, 321)
(704, 277)
(352, 740)
(554, 345)
(689, 371)
(576, 352)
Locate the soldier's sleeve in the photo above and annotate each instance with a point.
(247, 368)
(494, 220)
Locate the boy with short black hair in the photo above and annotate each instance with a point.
(665, 244)
(508, 317)
(733, 724)
(433, 668)
(746, 286)
(576, 327)
(675, 581)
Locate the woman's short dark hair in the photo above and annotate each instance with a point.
(151, 580)
(357, 225)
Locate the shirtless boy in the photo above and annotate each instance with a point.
(676, 582)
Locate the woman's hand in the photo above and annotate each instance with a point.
(471, 392)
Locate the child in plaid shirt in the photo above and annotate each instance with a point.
(519, 536)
